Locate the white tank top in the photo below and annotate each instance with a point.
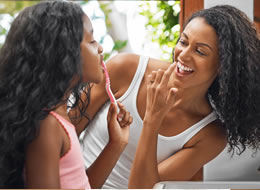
(95, 138)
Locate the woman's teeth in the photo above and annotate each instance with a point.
(184, 68)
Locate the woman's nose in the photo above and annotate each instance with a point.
(185, 54)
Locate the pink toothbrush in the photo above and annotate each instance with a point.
(108, 89)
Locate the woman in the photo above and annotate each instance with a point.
(189, 109)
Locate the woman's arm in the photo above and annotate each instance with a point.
(146, 172)
(200, 149)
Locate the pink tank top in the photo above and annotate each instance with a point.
(72, 170)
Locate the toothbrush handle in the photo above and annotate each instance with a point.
(108, 88)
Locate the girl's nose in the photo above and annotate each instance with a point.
(100, 49)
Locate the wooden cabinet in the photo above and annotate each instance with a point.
(257, 14)
(188, 7)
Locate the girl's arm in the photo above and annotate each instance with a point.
(118, 139)
(145, 171)
(123, 67)
(43, 155)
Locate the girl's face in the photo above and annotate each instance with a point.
(91, 54)
(196, 56)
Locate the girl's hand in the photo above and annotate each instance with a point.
(118, 124)
(160, 97)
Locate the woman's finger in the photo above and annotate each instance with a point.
(171, 96)
(159, 76)
(152, 77)
(167, 74)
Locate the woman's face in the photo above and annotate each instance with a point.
(91, 54)
(196, 56)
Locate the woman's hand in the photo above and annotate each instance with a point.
(118, 124)
(160, 97)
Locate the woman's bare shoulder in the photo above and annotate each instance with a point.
(213, 135)
(156, 64)
(123, 64)
(121, 69)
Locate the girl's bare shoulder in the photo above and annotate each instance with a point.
(49, 131)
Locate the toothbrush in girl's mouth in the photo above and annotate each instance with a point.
(108, 89)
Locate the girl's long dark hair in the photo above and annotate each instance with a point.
(235, 93)
(38, 61)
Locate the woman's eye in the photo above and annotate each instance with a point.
(94, 41)
(182, 42)
(200, 52)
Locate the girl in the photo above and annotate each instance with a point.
(50, 54)
(185, 112)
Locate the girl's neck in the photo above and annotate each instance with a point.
(62, 109)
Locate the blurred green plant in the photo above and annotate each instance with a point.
(163, 24)
(118, 44)
(11, 8)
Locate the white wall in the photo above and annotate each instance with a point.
(245, 5)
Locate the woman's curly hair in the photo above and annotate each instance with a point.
(235, 93)
(38, 62)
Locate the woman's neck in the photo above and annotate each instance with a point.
(192, 100)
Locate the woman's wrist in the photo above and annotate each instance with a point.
(152, 120)
(151, 126)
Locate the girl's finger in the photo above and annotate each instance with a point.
(122, 111)
(110, 111)
(125, 119)
(129, 121)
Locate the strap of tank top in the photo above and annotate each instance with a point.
(193, 130)
(143, 61)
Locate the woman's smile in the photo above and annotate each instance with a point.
(183, 70)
